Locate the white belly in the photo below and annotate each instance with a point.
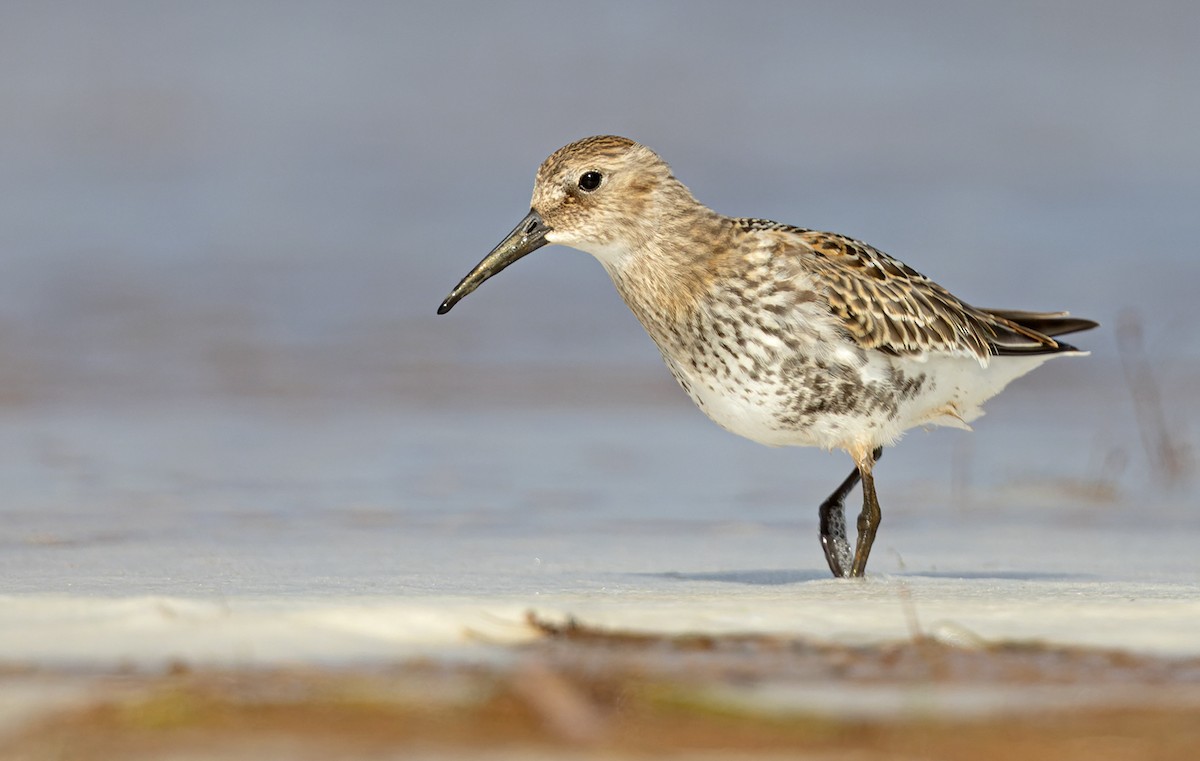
(768, 409)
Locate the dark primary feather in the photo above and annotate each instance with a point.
(886, 305)
(1046, 323)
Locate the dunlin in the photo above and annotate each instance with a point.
(784, 335)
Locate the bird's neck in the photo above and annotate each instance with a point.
(666, 272)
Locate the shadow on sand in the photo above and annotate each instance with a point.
(771, 577)
(780, 577)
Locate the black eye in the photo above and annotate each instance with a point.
(589, 181)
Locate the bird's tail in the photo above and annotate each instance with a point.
(1043, 326)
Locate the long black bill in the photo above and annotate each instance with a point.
(526, 237)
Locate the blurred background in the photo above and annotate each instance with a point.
(226, 226)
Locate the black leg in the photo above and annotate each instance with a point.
(868, 519)
(833, 524)
(833, 527)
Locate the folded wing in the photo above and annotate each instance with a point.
(886, 305)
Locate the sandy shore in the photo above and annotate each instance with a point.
(578, 692)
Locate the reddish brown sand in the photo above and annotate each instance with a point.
(585, 693)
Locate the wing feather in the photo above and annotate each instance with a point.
(884, 304)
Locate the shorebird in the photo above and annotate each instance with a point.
(781, 334)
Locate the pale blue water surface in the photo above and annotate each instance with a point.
(225, 228)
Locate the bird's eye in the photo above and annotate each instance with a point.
(589, 181)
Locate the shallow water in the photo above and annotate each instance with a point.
(226, 230)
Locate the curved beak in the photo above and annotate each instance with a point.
(528, 236)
